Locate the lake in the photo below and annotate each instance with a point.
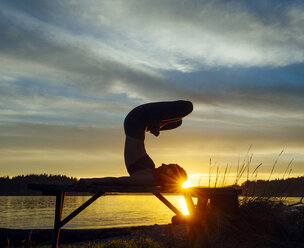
(37, 212)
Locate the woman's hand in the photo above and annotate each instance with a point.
(154, 127)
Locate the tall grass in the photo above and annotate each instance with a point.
(287, 167)
(244, 171)
(275, 162)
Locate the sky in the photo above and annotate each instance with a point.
(70, 71)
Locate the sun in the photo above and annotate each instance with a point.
(185, 185)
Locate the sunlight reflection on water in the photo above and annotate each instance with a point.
(184, 206)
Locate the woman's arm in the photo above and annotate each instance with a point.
(155, 126)
(142, 178)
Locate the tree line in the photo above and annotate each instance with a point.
(277, 187)
(18, 185)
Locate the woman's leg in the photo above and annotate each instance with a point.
(168, 111)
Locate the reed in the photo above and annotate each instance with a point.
(216, 176)
(210, 168)
(245, 165)
(256, 169)
(237, 170)
(287, 167)
(224, 176)
(279, 188)
(275, 162)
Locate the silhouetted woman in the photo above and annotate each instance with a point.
(153, 118)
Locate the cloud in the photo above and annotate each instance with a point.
(87, 62)
(193, 35)
(27, 101)
(174, 37)
(36, 137)
(118, 57)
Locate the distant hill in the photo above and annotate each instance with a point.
(277, 187)
(18, 185)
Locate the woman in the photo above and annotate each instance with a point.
(153, 118)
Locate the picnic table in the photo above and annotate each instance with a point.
(223, 200)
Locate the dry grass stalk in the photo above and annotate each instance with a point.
(224, 176)
(275, 162)
(217, 176)
(256, 169)
(210, 168)
(237, 170)
(287, 167)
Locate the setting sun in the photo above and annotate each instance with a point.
(186, 184)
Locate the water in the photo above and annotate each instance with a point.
(29, 212)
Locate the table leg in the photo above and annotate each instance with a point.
(58, 215)
(201, 203)
(168, 204)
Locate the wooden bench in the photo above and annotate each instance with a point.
(224, 200)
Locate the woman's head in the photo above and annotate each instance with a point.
(171, 174)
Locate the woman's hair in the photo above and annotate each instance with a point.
(171, 174)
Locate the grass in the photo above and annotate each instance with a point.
(261, 222)
(142, 243)
(245, 172)
(272, 219)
